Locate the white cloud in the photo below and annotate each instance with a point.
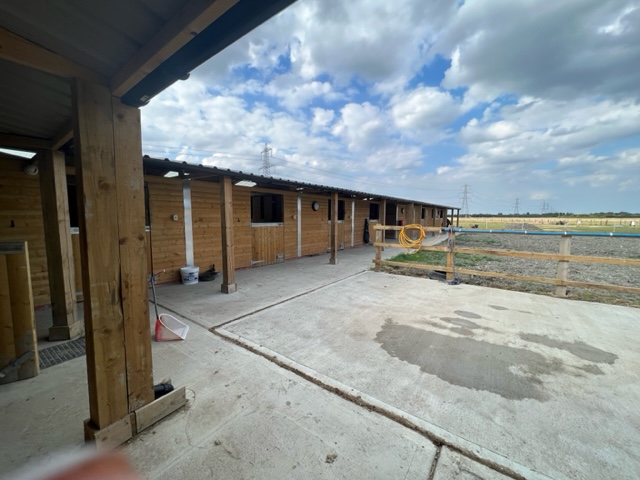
(424, 109)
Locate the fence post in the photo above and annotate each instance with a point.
(563, 265)
(451, 244)
(378, 229)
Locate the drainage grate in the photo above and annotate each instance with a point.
(61, 353)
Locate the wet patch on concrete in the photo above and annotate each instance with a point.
(460, 322)
(510, 372)
(462, 331)
(464, 313)
(592, 369)
(498, 307)
(579, 349)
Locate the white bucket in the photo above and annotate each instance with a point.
(189, 275)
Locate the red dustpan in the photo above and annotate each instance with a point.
(170, 328)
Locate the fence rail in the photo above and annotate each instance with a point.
(563, 258)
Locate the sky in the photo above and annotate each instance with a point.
(528, 106)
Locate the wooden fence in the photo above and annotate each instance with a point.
(563, 257)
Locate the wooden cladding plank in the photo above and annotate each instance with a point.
(97, 182)
(133, 253)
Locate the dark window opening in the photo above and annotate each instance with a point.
(267, 208)
(374, 211)
(424, 213)
(72, 197)
(340, 210)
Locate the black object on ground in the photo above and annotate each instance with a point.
(209, 274)
(162, 389)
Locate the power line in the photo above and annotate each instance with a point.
(516, 207)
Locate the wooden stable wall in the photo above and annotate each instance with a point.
(205, 214)
(315, 229)
(167, 235)
(21, 219)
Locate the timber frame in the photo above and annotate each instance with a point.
(89, 96)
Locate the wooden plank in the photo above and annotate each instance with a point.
(133, 253)
(563, 265)
(160, 408)
(228, 253)
(62, 138)
(17, 49)
(22, 312)
(111, 436)
(97, 184)
(7, 341)
(190, 20)
(334, 233)
(57, 230)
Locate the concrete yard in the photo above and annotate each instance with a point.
(313, 370)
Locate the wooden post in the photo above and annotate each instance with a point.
(7, 342)
(384, 218)
(412, 206)
(18, 317)
(57, 233)
(563, 265)
(134, 269)
(228, 254)
(113, 254)
(334, 229)
(378, 229)
(451, 245)
(458, 218)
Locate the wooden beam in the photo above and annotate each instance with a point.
(193, 17)
(98, 219)
(133, 253)
(21, 142)
(57, 232)
(333, 260)
(228, 249)
(160, 408)
(17, 49)
(62, 137)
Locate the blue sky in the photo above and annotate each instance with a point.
(536, 102)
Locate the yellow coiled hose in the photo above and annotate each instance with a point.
(410, 244)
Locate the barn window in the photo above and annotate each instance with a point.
(424, 213)
(340, 210)
(374, 211)
(267, 208)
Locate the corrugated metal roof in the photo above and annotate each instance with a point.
(157, 166)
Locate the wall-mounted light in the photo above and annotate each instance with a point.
(245, 183)
(30, 169)
(174, 217)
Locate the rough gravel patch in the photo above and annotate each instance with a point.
(584, 272)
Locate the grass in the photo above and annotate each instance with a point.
(440, 258)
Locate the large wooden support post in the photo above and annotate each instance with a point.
(334, 229)
(228, 253)
(412, 206)
(457, 218)
(451, 246)
(57, 232)
(113, 256)
(563, 265)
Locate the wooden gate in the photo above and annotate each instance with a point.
(267, 246)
